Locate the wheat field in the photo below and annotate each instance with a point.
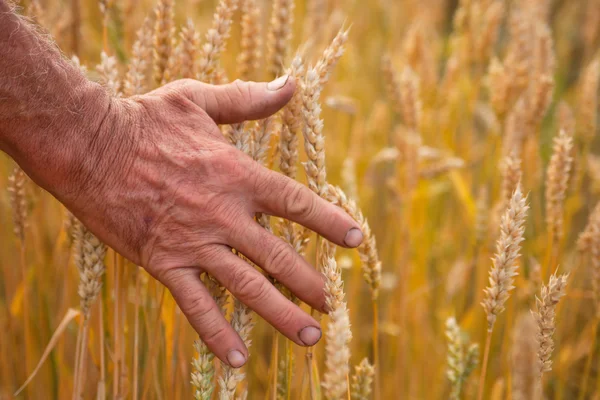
(460, 134)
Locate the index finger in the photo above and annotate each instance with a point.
(276, 194)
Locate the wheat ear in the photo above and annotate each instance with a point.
(216, 37)
(242, 323)
(544, 318)
(109, 73)
(504, 269)
(338, 335)
(524, 358)
(135, 79)
(203, 368)
(588, 101)
(332, 55)
(462, 358)
(250, 52)
(189, 46)
(279, 36)
(557, 181)
(362, 380)
(164, 32)
(504, 263)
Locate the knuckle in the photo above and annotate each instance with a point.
(285, 316)
(281, 261)
(214, 333)
(170, 277)
(262, 182)
(236, 96)
(244, 91)
(297, 202)
(248, 284)
(197, 307)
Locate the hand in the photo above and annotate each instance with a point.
(158, 182)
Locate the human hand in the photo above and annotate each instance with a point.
(158, 182)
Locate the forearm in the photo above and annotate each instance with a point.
(47, 106)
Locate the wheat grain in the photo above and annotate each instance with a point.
(109, 74)
(409, 99)
(203, 372)
(279, 36)
(511, 177)
(544, 318)
(556, 183)
(504, 263)
(331, 56)
(314, 141)
(215, 41)
(292, 123)
(188, 54)
(135, 79)
(523, 354)
(164, 32)
(588, 101)
(242, 323)
(499, 87)
(371, 266)
(362, 380)
(18, 202)
(89, 259)
(486, 41)
(338, 335)
(392, 83)
(250, 43)
(461, 359)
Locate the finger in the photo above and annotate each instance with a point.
(253, 289)
(204, 315)
(278, 195)
(281, 261)
(240, 101)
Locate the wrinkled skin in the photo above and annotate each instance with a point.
(159, 183)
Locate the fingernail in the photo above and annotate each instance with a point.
(310, 335)
(354, 237)
(236, 359)
(278, 83)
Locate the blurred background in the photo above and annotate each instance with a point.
(422, 112)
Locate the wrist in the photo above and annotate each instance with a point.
(57, 146)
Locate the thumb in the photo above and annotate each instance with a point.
(240, 101)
